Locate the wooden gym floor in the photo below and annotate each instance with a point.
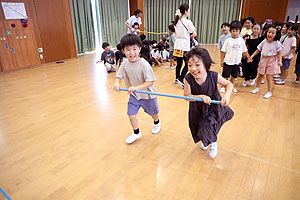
(62, 132)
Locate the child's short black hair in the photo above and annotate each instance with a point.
(236, 25)
(287, 24)
(136, 24)
(160, 47)
(172, 28)
(153, 41)
(143, 37)
(243, 21)
(278, 32)
(105, 44)
(250, 19)
(147, 42)
(130, 40)
(234, 21)
(119, 47)
(294, 27)
(225, 24)
(279, 24)
(259, 24)
(202, 54)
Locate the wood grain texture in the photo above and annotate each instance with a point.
(63, 131)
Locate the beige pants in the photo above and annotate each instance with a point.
(110, 67)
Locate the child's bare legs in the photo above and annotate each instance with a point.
(134, 122)
(259, 78)
(232, 80)
(284, 73)
(270, 80)
(172, 62)
(155, 117)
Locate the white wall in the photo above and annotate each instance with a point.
(293, 10)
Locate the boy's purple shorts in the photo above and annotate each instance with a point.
(150, 106)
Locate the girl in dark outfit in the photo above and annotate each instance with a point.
(205, 119)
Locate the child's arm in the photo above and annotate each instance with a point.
(126, 23)
(246, 54)
(279, 58)
(253, 55)
(117, 84)
(228, 86)
(291, 51)
(222, 58)
(157, 61)
(140, 87)
(187, 93)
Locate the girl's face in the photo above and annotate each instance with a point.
(284, 29)
(271, 34)
(196, 67)
(136, 27)
(132, 53)
(248, 24)
(256, 30)
(139, 15)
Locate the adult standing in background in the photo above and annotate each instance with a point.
(185, 30)
(136, 17)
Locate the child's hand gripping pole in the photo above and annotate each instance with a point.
(170, 95)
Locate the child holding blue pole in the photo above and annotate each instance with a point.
(206, 119)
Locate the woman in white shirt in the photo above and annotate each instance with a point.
(185, 30)
(136, 17)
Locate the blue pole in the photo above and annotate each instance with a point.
(170, 95)
(8, 198)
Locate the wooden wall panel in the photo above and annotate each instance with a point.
(265, 9)
(138, 4)
(56, 29)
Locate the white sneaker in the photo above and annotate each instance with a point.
(133, 137)
(276, 76)
(268, 95)
(262, 81)
(167, 67)
(245, 83)
(252, 82)
(213, 150)
(180, 83)
(234, 90)
(280, 82)
(173, 67)
(296, 81)
(156, 127)
(222, 89)
(256, 90)
(203, 147)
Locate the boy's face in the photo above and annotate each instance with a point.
(225, 29)
(107, 48)
(235, 33)
(291, 32)
(248, 24)
(132, 53)
(196, 67)
(170, 32)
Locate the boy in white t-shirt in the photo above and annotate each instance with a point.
(231, 53)
(289, 47)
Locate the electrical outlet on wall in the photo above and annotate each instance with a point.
(40, 50)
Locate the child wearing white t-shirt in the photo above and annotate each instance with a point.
(231, 53)
(289, 47)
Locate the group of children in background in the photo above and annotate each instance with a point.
(248, 48)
